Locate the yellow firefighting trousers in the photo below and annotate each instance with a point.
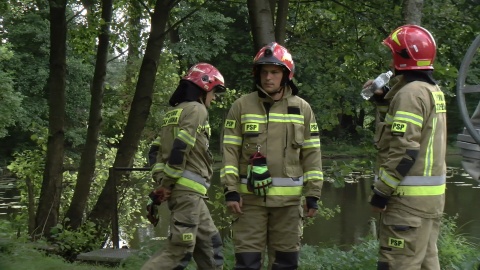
(408, 242)
(192, 235)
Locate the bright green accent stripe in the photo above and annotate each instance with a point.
(388, 179)
(158, 167)
(229, 170)
(192, 184)
(286, 118)
(429, 156)
(275, 191)
(382, 109)
(184, 136)
(420, 190)
(423, 63)
(253, 118)
(231, 139)
(388, 119)
(312, 175)
(157, 141)
(409, 117)
(311, 143)
(172, 172)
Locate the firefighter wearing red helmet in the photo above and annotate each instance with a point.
(182, 169)
(272, 157)
(409, 187)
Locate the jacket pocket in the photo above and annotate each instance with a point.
(295, 140)
(381, 138)
(399, 234)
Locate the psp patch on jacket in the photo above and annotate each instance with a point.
(399, 128)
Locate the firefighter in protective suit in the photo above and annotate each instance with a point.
(271, 149)
(183, 169)
(411, 138)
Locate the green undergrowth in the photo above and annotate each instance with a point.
(456, 252)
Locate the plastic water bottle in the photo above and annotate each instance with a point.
(379, 82)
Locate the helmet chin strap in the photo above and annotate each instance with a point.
(278, 91)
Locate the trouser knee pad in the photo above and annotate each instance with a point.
(248, 261)
(285, 260)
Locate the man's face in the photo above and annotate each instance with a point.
(271, 77)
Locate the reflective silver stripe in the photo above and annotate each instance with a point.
(196, 178)
(423, 180)
(420, 180)
(282, 182)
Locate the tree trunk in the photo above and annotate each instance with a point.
(412, 11)
(31, 205)
(281, 21)
(103, 210)
(89, 155)
(261, 22)
(134, 43)
(49, 202)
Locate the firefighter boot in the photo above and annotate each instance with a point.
(248, 261)
(285, 260)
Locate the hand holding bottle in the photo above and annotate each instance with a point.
(374, 86)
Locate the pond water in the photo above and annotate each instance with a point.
(353, 223)
(344, 229)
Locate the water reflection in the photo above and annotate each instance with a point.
(352, 224)
(344, 229)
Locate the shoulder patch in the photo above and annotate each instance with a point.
(439, 99)
(230, 123)
(313, 127)
(172, 117)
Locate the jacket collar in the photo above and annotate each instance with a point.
(265, 97)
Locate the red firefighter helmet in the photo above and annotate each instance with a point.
(412, 46)
(274, 54)
(206, 77)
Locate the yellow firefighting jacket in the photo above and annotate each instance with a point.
(411, 139)
(286, 133)
(184, 159)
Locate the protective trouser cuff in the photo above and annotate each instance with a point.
(378, 201)
(232, 196)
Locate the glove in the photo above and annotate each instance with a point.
(311, 202)
(232, 197)
(152, 213)
(378, 201)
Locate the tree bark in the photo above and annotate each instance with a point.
(134, 43)
(87, 162)
(49, 202)
(281, 22)
(412, 11)
(103, 210)
(261, 23)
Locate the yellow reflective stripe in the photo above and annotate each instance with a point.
(382, 108)
(409, 117)
(388, 179)
(253, 118)
(286, 118)
(187, 138)
(429, 153)
(312, 175)
(158, 167)
(157, 141)
(174, 173)
(229, 170)
(231, 139)
(420, 190)
(274, 191)
(388, 119)
(423, 63)
(311, 143)
(192, 184)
